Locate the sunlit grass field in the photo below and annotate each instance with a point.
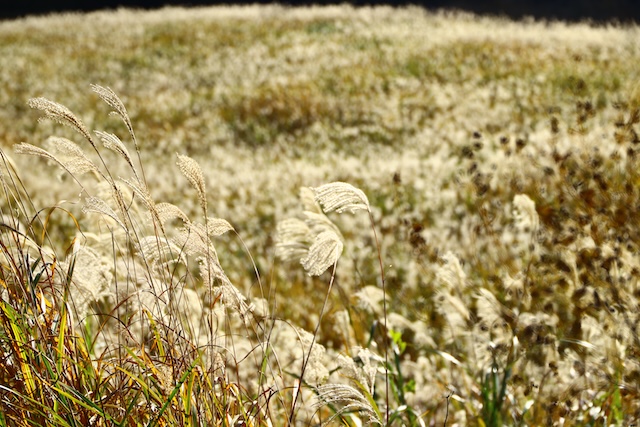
(189, 263)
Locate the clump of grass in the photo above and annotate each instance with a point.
(139, 324)
(133, 324)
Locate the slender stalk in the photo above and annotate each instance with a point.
(305, 360)
(384, 310)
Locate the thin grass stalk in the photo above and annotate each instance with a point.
(384, 310)
(173, 393)
(34, 410)
(305, 360)
(114, 101)
(263, 337)
(19, 196)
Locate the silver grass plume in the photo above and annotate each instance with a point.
(347, 399)
(194, 239)
(370, 299)
(110, 97)
(323, 253)
(32, 150)
(113, 143)
(319, 222)
(97, 205)
(214, 275)
(308, 199)
(218, 226)
(211, 272)
(61, 114)
(454, 311)
(116, 194)
(91, 278)
(488, 307)
(451, 274)
(77, 166)
(293, 239)
(168, 211)
(341, 197)
(72, 157)
(192, 171)
(315, 241)
(160, 251)
(142, 192)
(364, 373)
(525, 213)
(232, 297)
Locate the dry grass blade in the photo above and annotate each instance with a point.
(341, 197)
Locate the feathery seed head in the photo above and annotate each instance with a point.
(293, 239)
(323, 253)
(194, 238)
(71, 156)
(348, 399)
(110, 97)
(218, 226)
(340, 197)
(525, 213)
(318, 222)
(451, 273)
(32, 150)
(160, 251)
(61, 114)
(192, 171)
(370, 299)
(168, 211)
(308, 199)
(141, 191)
(97, 205)
(90, 280)
(113, 143)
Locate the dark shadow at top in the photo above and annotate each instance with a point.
(597, 11)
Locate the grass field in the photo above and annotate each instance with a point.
(188, 263)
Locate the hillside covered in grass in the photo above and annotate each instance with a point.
(499, 170)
